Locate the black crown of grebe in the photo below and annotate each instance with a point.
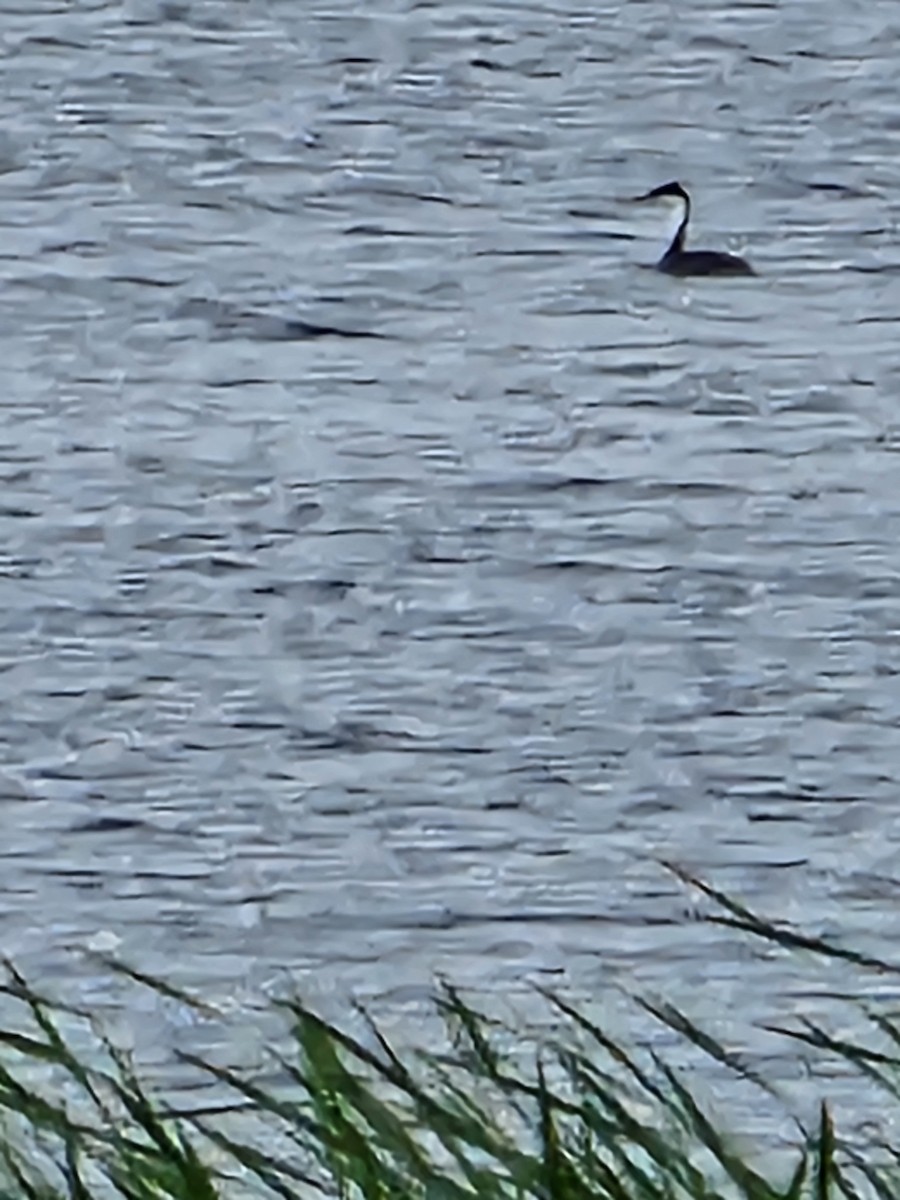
(677, 260)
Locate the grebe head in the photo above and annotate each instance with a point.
(672, 190)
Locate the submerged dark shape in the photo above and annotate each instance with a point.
(226, 320)
(677, 260)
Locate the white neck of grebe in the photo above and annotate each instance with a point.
(679, 211)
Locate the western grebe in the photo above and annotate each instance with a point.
(677, 260)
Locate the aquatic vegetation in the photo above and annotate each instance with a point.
(493, 1114)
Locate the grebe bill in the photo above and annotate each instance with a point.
(677, 260)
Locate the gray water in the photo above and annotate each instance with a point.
(347, 661)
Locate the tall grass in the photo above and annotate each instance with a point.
(575, 1115)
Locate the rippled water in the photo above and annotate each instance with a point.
(350, 660)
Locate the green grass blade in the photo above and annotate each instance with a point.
(78, 1190)
(559, 1176)
(28, 1188)
(884, 1183)
(607, 1044)
(457, 1014)
(668, 1015)
(626, 1138)
(824, 1149)
(748, 922)
(155, 984)
(794, 1190)
(888, 1027)
(270, 1170)
(56, 1046)
(259, 1099)
(864, 1059)
(749, 1181)
(178, 1169)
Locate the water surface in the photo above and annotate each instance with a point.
(351, 660)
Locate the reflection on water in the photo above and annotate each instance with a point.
(363, 658)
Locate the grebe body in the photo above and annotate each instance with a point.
(677, 260)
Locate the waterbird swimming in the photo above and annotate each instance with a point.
(677, 260)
